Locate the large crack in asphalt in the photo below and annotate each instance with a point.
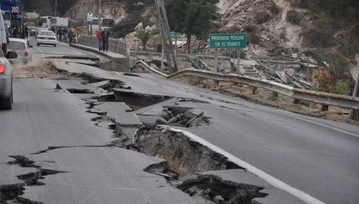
(13, 192)
(182, 156)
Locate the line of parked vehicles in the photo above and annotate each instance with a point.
(16, 50)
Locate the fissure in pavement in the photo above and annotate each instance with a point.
(182, 155)
(186, 157)
(13, 192)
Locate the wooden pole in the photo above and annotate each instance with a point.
(354, 114)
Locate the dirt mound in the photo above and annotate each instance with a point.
(39, 70)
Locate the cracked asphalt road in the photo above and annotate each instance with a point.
(316, 156)
(44, 117)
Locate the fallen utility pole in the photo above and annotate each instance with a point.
(166, 35)
(354, 114)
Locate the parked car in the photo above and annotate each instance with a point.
(34, 31)
(46, 38)
(3, 37)
(30, 25)
(22, 48)
(40, 29)
(6, 90)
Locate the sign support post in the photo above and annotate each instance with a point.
(216, 60)
(176, 47)
(89, 22)
(239, 60)
(163, 54)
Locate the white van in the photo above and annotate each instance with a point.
(3, 40)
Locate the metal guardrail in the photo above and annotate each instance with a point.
(198, 63)
(295, 93)
(114, 45)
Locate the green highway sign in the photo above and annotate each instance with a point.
(175, 35)
(227, 40)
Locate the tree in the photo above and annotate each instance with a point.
(192, 17)
(47, 7)
(43, 7)
(144, 36)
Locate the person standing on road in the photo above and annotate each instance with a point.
(60, 32)
(21, 32)
(14, 31)
(105, 37)
(26, 32)
(99, 37)
(70, 35)
(7, 31)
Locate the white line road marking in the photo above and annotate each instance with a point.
(42, 52)
(307, 120)
(268, 178)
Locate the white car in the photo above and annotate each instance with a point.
(46, 38)
(22, 48)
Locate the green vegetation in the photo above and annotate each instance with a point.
(321, 35)
(134, 8)
(192, 17)
(143, 36)
(338, 71)
(252, 36)
(339, 9)
(262, 17)
(128, 25)
(293, 17)
(47, 7)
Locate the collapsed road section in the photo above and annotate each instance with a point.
(186, 162)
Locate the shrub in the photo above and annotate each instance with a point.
(293, 17)
(317, 38)
(253, 38)
(338, 65)
(343, 87)
(262, 17)
(250, 28)
(274, 9)
(144, 36)
(128, 25)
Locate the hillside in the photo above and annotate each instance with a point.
(273, 27)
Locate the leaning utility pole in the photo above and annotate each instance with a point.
(166, 35)
(99, 14)
(354, 114)
(55, 8)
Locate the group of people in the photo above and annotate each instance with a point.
(61, 33)
(17, 32)
(103, 37)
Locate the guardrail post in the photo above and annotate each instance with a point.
(254, 89)
(274, 95)
(216, 83)
(325, 107)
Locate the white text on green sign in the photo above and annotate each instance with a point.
(227, 40)
(175, 35)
